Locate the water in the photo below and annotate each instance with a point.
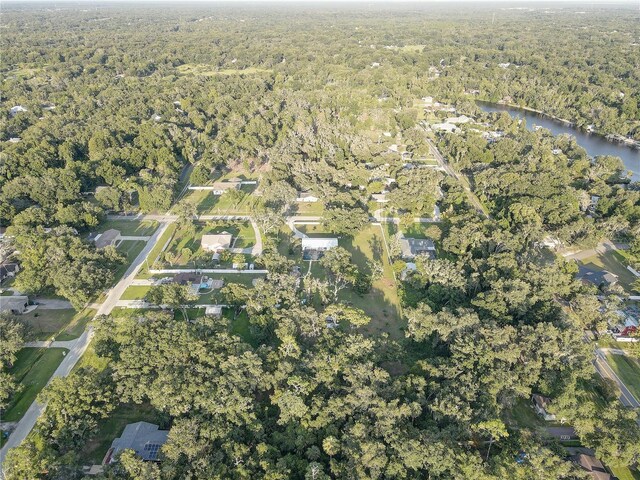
(594, 144)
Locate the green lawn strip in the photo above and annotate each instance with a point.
(210, 204)
(382, 302)
(628, 369)
(33, 369)
(135, 292)
(134, 228)
(130, 249)
(309, 208)
(156, 251)
(44, 323)
(112, 427)
(313, 230)
(625, 473)
(77, 325)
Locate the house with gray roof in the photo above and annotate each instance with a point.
(16, 304)
(144, 438)
(411, 247)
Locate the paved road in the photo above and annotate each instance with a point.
(79, 346)
(450, 171)
(603, 368)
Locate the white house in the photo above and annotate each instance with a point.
(306, 197)
(444, 127)
(320, 244)
(457, 120)
(379, 197)
(217, 242)
(17, 109)
(213, 311)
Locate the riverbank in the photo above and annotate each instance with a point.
(611, 137)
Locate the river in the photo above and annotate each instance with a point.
(594, 144)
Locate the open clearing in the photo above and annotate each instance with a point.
(134, 228)
(628, 369)
(64, 324)
(32, 370)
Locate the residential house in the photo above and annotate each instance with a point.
(8, 270)
(306, 197)
(445, 127)
(411, 247)
(216, 243)
(541, 404)
(458, 120)
(314, 248)
(17, 109)
(592, 465)
(379, 197)
(144, 438)
(16, 304)
(105, 239)
(213, 311)
(218, 188)
(597, 277)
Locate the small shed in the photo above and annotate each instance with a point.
(213, 311)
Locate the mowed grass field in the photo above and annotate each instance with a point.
(32, 370)
(134, 228)
(64, 324)
(628, 369)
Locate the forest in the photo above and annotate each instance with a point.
(121, 108)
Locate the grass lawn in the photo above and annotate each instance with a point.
(156, 251)
(112, 427)
(130, 249)
(242, 232)
(210, 204)
(309, 208)
(615, 263)
(625, 473)
(628, 369)
(315, 230)
(135, 228)
(64, 324)
(33, 369)
(136, 292)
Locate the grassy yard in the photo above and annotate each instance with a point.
(210, 204)
(628, 369)
(214, 296)
(309, 208)
(205, 70)
(112, 427)
(134, 228)
(136, 292)
(156, 251)
(32, 369)
(64, 324)
(242, 232)
(625, 473)
(615, 263)
(130, 249)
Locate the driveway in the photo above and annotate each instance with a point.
(52, 304)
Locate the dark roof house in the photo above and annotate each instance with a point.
(411, 247)
(144, 438)
(597, 277)
(593, 466)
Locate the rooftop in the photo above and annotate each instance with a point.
(107, 238)
(411, 247)
(144, 438)
(319, 243)
(219, 241)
